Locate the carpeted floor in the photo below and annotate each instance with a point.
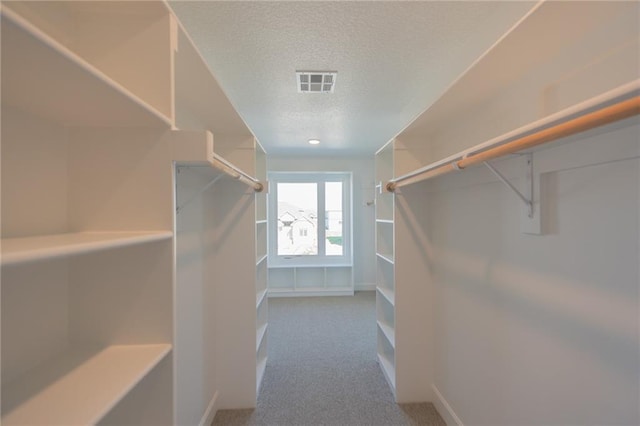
(322, 369)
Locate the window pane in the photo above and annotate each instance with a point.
(297, 219)
(333, 218)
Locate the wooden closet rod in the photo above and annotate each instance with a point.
(605, 115)
(222, 164)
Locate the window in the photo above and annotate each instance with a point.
(309, 219)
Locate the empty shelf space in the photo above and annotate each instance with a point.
(387, 294)
(80, 386)
(261, 259)
(260, 367)
(70, 90)
(260, 336)
(260, 297)
(18, 250)
(388, 332)
(198, 94)
(388, 370)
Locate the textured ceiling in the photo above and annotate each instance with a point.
(393, 59)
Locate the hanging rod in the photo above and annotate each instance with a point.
(498, 147)
(222, 164)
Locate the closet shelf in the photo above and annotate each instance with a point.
(70, 90)
(260, 297)
(385, 258)
(607, 108)
(260, 367)
(79, 387)
(29, 249)
(305, 266)
(387, 294)
(389, 333)
(310, 291)
(389, 221)
(198, 93)
(261, 259)
(388, 370)
(262, 331)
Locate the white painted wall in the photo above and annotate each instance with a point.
(536, 329)
(541, 329)
(362, 169)
(190, 300)
(231, 269)
(215, 346)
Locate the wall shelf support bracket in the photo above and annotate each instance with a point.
(199, 192)
(526, 199)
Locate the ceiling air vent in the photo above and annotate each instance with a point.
(316, 81)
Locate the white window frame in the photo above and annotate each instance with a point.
(321, 259)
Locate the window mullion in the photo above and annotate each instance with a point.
(321, 220)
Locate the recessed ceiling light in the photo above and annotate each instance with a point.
(314, 141)
(316, 81)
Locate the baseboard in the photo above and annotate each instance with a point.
(365, 287)
(211, 411)
(444, 409)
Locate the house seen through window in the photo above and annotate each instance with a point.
(307, 214)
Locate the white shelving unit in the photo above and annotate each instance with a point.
(310, 281)
(400, 274)
(87, 228)
(117, 234)
(72, 82)
(262, 302)
(116, 368)
(385, 275)
(221, 248)
(38, 248)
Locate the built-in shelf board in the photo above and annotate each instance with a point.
(310, 288)
(260, 297)
(261, 259)
(387, 294)
(258, 222)
(310, 291)
(70, 90)
(260, 368)
(29, 249)
(388, 370)
(388, 332)
(305, 266)
(80, 386)
(389, 221)
(198, 94)
(260, 336)
(385, 258)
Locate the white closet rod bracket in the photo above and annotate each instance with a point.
(529, 176)
(197, 194)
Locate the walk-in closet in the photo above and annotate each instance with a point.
(129, 184)
(340, 213)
